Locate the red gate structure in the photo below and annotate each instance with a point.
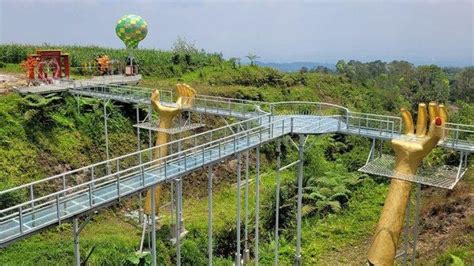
(54, 59)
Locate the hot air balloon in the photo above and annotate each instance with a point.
(131, 29)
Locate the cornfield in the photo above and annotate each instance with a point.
(163, 64)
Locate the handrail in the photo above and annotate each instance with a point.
(128, 155)
(153, 162)
(308, 102)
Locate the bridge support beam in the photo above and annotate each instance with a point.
(414, 232)
(257, 204)
(237, 253)
(277, 199)
(246, 209)
(302, 138)
(153, 228)
(179, 211)
(76, 230)
(209, 213)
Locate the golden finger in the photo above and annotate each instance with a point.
(408, 121)
(443, 113)
(179, 89)
(422, 120)
(433, 110)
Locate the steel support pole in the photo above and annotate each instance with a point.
(178, 221)
(277, 199)
(172, 207)
(416, 222)
(237, 253)
(257, 203)
(246, 209)
(300, 199)
(77, 254)
(209, 217)
(153, 228)
(106, 136)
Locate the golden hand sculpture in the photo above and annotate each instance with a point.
(408, 157)
(167, 113)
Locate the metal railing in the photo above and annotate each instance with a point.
(53, 208)
(122, 93)
(373, 125)
(96, 170)
(458, 136)
(306, 108)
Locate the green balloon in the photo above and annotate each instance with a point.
(131, 29)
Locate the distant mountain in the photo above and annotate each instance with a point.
(295, 66)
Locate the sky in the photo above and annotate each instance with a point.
(422, 32)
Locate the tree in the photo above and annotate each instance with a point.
(341, 66)
(463, 88)
(322, 69)
(235, 62)
(252, 58)
(432, 85)
(303, 70)
(183, 46)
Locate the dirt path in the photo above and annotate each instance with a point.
(9, 81)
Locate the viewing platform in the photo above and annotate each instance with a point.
(64, 85)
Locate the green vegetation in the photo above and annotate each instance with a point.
(41, 136)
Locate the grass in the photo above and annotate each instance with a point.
(113, 237)
(11, 68)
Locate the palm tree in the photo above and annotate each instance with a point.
(252, 57)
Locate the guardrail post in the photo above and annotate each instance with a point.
(291, 124)
(57, 209)
(118, 179)
(64, 184)
(20, 218)
(91, 201)
(457, 135)
(235, 143)
(359, 125)
(32, 197)
(219, 150)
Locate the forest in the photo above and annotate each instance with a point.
(45, 135)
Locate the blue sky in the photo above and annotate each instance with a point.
(423, 32)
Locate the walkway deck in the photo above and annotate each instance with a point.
(61, 86)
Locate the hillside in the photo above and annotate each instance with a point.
(41, 136)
